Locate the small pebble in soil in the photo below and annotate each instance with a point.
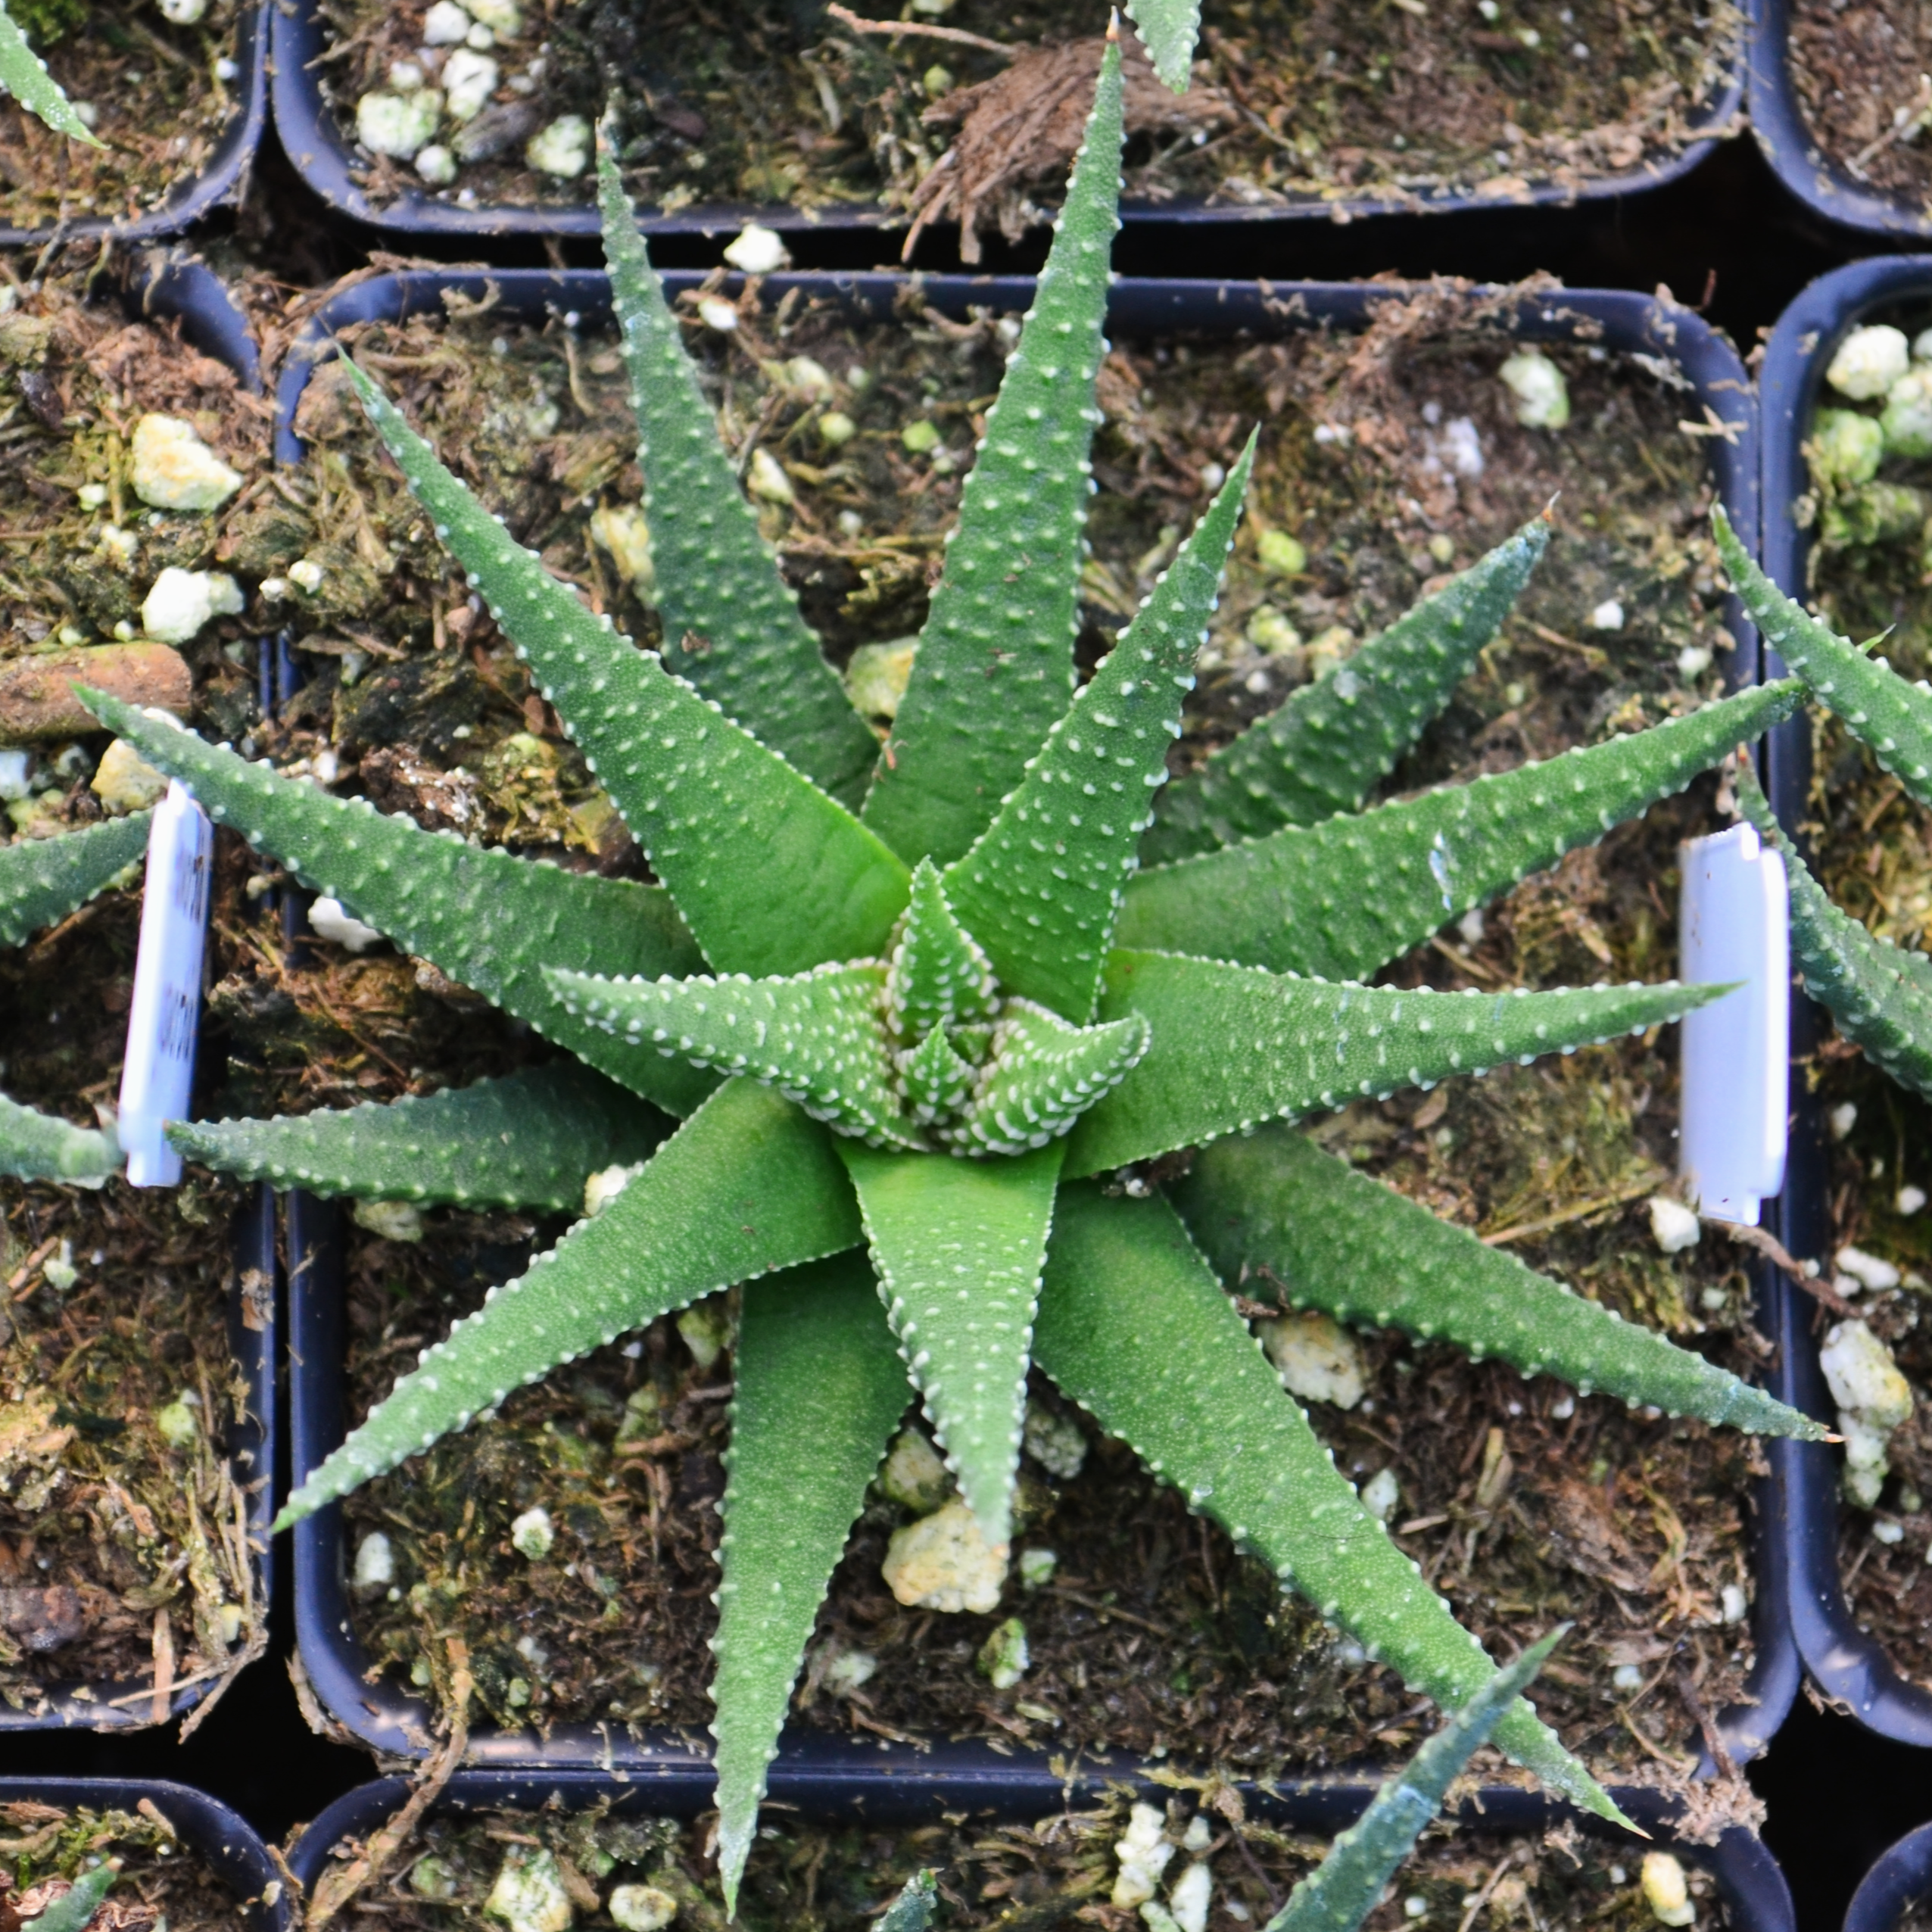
(642, 1908)
(1053, 1441)
(1415, 1906)
(620, 530)
(562, 149)
(375, 1561)
(1869, 362)
(1841, 1118)
(1666, 1891)
(920, 436)
(1673, 1226)
(1381, 1493)
(716, 313)
(444, 25)
(1733, 1602)
(1868, 1269)
(1280, 554)
(604, 1186)
(705, 1327)
(1192, 1897)
(531, 1535)
(1907, 420)
(306, 574)
(183, 13)
(1542, 395)
(1143, 1850)
(766, 479)
(125, 781)
(1003, 1658)
(850, 1670)
(1885, 1531)
(529, 1895)
(1036, 1568)
(1692, 661)
(328, 920)
(177, 1423)
(170, 467)
(757, 250)
(392, 1220)
(179, 603)
(1271, 633)
(15, 775)
(1315, 1357)
(1845, 448)
(433, 1878)
(1607, 616)
(469, 80)
(504, 18)
(437, 165)
(1909, 1199)
(1873, 1399)
(943, 1562)
(912, 1475)
(398, 125)
(1626, 1677)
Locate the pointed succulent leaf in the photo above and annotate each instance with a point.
(995, 667)
(487, 920)
(43, 880)
(74, 1909)
(1334, 739)
(1891, 715)
(771, 874)
(817, 1037)
(24, 75)
(529, 1140)
(1041, 889)
(731, 624)
(937, 1080)
(1879, 994)
(42, 1147)
(1042, 1076)
(1233, 1046)
(1335, 1240)
(819, 1388)
(958, 1246)
(1346, 1885)
(1135, 1328)
(1169, 29)
(747, 1184)
(938, 973)
(1342, 898)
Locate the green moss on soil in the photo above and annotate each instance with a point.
(162, 1885)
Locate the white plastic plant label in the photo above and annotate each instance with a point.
(166, 1013)
(1734, 926)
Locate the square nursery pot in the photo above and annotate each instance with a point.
(381, 1711)
(1847, 1661)
(964, 1784)
(217, 183)
(186, 290)
(325, 153)
(1834, 183)
(205, 1829)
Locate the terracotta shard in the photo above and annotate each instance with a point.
(37, 698)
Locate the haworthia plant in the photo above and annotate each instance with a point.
(1879, 994)
(72, 1910)
(24, 75)
(1346, 1886)
(42, 881)
(1169, 28)
(898, 1038)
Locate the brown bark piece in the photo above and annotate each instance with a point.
(37, 697)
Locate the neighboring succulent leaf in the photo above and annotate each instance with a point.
(1346, 1885)
(1042, 1076)
(771, 874)
(1275, 1204)
(41, 1147)
(24, 75)
(746, 1185)
(958, 1246)
(1234, 1046)
(73, 1908)
(1334, 739)
(819, 1390)
(1041, 889)
(731, 624)
(1342, 898)
(912, 1910)
(44, 880)
(489, 921)
(1135, 1328)
(995, 667)
(1879, 994)
(819, 1038)
(1893, 716)
(1168, 30)
(938, 973)
(529, 1140)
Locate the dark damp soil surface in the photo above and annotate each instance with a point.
(1858, 66)
(1024, 1877)
(1291, 100)
(161, 96)
(1872, 850)
(1525, 1505)
(163, 1886)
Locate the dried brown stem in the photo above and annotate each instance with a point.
(920, 29)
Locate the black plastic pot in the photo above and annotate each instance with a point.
(177, 287)
(384, 1715)
(982, 1784)
(1847, 1662)
(1901, 1879)
(223, 1839)
(219, 183)
(1778, 122)
(323, 154)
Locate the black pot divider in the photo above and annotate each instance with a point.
(222, 1839)
(324, 155)
(970, 1779)
(216, 185)
(178, 287)
(1847, 1663)
(1901, 1879)
(383, 1714)
(1817, 180)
